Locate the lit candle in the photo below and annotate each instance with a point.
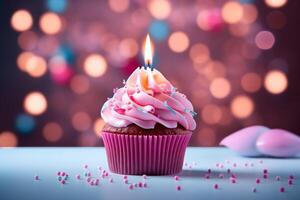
(148, 53)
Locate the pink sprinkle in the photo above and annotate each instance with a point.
(125, 177)
(176, 178)
(145, 185)
(103, 175)
(63, 174)
(78, 176)
(261, 161)
(178, 187)
(254, 190)
(221, 176)
(130, 186)
(265, 171)
(36, 178)
(85, 166)
(126, 181)
(217, 164)
(291, 177)
(265, 176)
(144, 176)
(97, 182)
(228, 171)
(257, 180)
(140, 184)
(89, 174)
(63, 182)
(290, 182)
(281, 189)
(106, 174)
(207, 176)
(92, 183)
(209, 171)
(234, 164)
(89, 179)
(111, 180)
(233, 176)
(233, 180)
(277, 178)
(216, 186)
(221, 166)
(58, 173)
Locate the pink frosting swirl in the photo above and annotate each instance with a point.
(146, 99)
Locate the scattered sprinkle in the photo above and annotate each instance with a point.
(140, 184)
(216, 186)
(291, 177)
(265, 176)
(207, 176)
(145, 185)
(111, 180)
(290, 182)
(78, 176)
(265, 171)
(257, 181)
(36, 178)
(277, 178)
(281, 189)
(176, 178)
(131, 186)
(126, 181)
(254, 190)
(144, 176)
(221, 176)
(178, 188)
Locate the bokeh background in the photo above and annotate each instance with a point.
(237, 61)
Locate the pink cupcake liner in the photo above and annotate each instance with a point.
(145, 154)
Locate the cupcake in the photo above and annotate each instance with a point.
(148, 125)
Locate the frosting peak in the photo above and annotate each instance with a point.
(146, 99)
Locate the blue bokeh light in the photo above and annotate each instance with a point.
(159, 30)
(67, 52)
(25, 123)
(58, 6)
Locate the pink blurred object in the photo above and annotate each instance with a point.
(278, 143)
(244, 140)
(145, 154)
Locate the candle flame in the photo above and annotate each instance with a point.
(148, 51)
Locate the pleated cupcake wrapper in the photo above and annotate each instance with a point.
(145, 154)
